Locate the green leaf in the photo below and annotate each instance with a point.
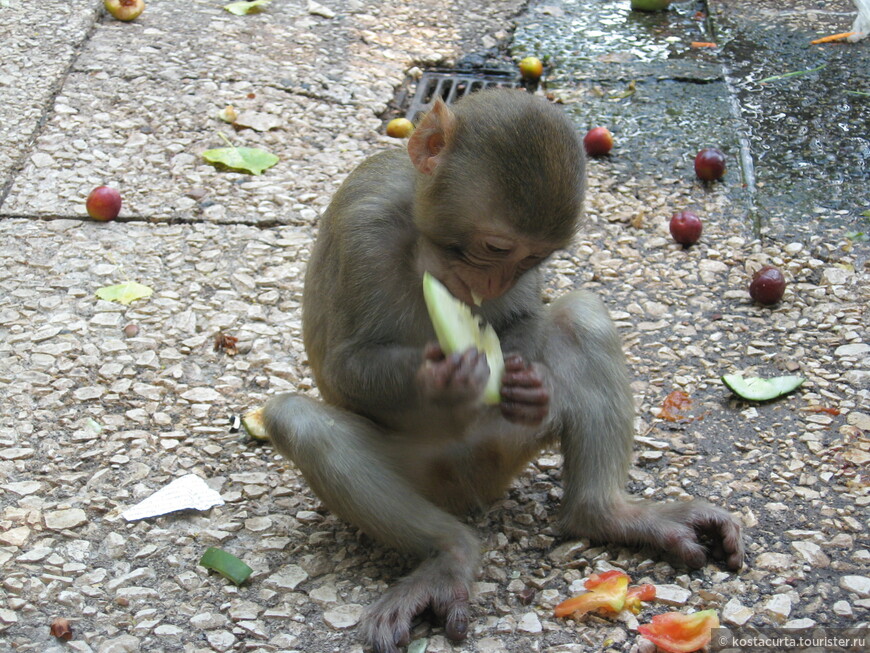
(757, 389)
(248, 159)
(226, 564)
(124, 293)
(242, 8)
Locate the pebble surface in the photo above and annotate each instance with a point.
(97, 420)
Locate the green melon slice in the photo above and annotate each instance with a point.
(757, 389)
(458, 329)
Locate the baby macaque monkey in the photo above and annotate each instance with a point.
(402, 441)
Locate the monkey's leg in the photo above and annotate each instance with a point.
(594, 413)
(353, 466)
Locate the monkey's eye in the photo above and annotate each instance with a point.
(495, 249)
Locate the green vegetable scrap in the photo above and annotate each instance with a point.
(758, 389)
(226, 564)
(125, 293)
(253, 424)
(457, 329)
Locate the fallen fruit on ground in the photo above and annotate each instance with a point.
(531, 69)
(710, 164)
(607, 592)
(676, 632)
(254, 425)
(400, 128)
(226, 564)
(767, 286)
(686, 227)
(649, 5)
(755, 388)
(458, 329)
(125, 10)
(635, 595)
(103, 203)
(598, 141)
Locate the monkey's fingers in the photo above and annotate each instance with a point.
(520, 413)
(453, 610)
(724, 536)
(526, 378)
(433, 352)
(528, 395)
(515, 363)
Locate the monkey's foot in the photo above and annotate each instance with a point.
(692, 531)
(432, 585)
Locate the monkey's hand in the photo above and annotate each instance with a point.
(452, 380)
(524, 398)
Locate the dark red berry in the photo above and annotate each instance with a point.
(710, 164)
(686, 227)
(768, 286)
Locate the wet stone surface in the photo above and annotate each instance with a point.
(808, 133)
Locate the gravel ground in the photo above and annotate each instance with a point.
(97, 419)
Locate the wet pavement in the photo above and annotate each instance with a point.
(798, 147)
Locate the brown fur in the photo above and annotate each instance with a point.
(402, 441)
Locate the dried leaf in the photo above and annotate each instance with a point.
(61, 629)
(247, 159)
(125, 293)
(243, 7)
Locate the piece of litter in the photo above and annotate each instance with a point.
(188, 492)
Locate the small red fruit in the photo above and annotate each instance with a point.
(598, 141)
(768, 286)
(124, 9)
(710, 164)
(686, 227)
(104, 203)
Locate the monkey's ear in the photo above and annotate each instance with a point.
(431, 136)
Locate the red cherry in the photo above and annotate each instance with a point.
(686, 227)
(598, 141)
(710, 164)
(104, 203)
(768, 286)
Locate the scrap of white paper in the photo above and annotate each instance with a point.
(185, 493)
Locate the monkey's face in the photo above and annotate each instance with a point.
(486, 263)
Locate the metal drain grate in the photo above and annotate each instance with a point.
(452, 86)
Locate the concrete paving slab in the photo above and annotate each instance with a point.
(37, 46)
(146, 138)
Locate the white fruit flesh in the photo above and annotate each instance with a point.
(458, 329)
